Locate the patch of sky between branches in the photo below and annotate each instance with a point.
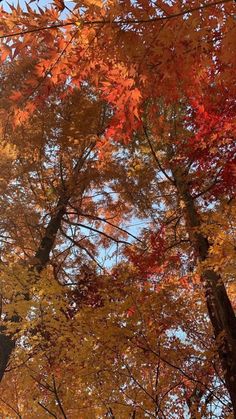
(33, 4)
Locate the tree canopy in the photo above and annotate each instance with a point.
(117, 215)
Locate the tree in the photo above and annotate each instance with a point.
(170, 102)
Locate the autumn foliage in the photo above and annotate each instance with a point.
(117, 209)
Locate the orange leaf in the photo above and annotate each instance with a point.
(6, 51)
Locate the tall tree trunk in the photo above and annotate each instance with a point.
(7, 342)
(42, 255)
(219, 307)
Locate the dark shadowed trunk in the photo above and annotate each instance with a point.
(7, 342)
(42, 255)
(219, 307)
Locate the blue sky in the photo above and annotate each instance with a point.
(39, 2)
(22, 3)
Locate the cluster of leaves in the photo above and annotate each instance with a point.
(128, 350)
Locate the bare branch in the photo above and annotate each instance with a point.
(97, 231)
(58, 398)
(47, 410)
(105, 220)
(12, 408)
(156, 158)
(78, 244)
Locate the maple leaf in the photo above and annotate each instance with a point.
(6, 51)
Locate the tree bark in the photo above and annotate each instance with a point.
(7, 342)
(7, 345)
(219, 307)
(42, 255)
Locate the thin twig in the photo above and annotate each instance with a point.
(97, 231)
(156, 158)
(12, 408)
(58, 398)
(47, 410)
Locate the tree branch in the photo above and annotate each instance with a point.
(115, 22)
(58, 398)
(156, 158)
(47, 410)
